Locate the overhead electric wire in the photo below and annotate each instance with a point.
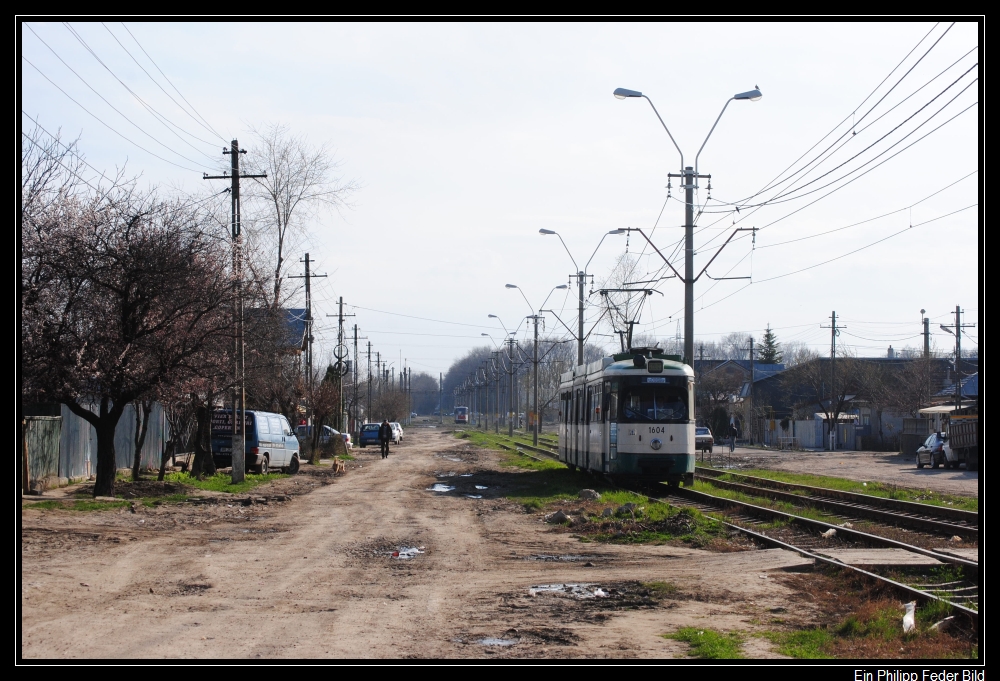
(159, 86)
(899, 210)
(439, 321)
(166, 122)
(98, 119)
(205, 124)
(104, 99)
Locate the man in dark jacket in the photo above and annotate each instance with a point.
(384, 435)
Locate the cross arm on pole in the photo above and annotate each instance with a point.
(643, 234)
(739, 229)
(571, 333)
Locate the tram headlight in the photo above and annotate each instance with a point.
(655, 443)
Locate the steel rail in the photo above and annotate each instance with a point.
(969, 517)
(921, 523)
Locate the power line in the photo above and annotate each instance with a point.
(156, 114)
(439, 321)
(103, 98)
(900, 210)
(205, 122)
(98, 119)
(157, 85)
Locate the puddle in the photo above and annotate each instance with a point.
(407, 553)
(550, 558)
(449, 474)
(577, 590)
(497, 641)
(481, 487)
(466, 475)
(473, 496)
(438, 487)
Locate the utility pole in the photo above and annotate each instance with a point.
(927, 334)
(957, 333)
(340, 354)
(368, 406)
(441, 397)
(310, 380)
(238, 446)
(689, 178)
(834, 332)
(581, 279)
(512, 413)
(534, 402)
(750, 414)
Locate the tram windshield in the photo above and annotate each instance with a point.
(655, 403)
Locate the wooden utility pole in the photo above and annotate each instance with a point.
(238, 447)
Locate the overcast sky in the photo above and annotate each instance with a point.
(469, 138)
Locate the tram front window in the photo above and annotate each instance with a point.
(655, 404)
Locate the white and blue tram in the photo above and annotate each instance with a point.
(630, 415)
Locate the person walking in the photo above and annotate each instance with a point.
(384, 435)
(732, 437)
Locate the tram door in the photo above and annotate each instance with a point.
(587, 426)
(596, 448)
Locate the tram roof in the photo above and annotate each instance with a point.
(624, 365)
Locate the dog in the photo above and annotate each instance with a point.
(338, 466)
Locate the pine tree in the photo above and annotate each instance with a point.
(770, 349)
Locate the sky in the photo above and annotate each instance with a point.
(467, 138)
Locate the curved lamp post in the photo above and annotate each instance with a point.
(689, 177)
(581, 278)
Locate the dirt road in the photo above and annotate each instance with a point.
(886, 467)
(313, 577)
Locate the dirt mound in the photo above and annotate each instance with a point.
(142, 488)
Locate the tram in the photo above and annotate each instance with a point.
(630, 415)
(462, 415)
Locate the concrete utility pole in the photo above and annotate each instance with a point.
(238, 446)
(689, 177)
(441, 397)
(957, 333)
(368, 406)
(310, 379)
(834, 332)
(512, 404)
(927, 334)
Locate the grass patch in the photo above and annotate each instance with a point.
(709, 644)
(661, 589)
(222, 482)
(510, 459)
(78, 505)
(806, 644)
(783, 506)
(878, 489)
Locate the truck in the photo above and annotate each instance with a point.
(963, 438)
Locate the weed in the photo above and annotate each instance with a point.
(805, 644)
(878, 489)
(660, 589)
(221, 482)
(709, 644)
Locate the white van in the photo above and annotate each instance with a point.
(270, 441)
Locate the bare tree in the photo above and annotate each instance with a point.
(301, 178)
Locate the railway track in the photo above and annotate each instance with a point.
(851, 506)
(805, 536)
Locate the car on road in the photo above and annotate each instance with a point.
(703, 440)
(397, 432)
(934, 452)
(326, 435)
(369, 435)
(269, 441)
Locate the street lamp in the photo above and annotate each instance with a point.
(689, 176)
(581, 278)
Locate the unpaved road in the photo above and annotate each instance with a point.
(313, 577)
(886, 467)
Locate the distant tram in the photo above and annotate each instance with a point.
(461, 415)
(631, 416)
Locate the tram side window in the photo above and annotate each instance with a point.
(596, 412)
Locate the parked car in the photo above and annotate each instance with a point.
(348, 445)
(270, 441)
(304, 433)
(369, 435)
(703, 439)
(935, 451)
(397, 432)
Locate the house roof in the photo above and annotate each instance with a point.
(970, 387)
